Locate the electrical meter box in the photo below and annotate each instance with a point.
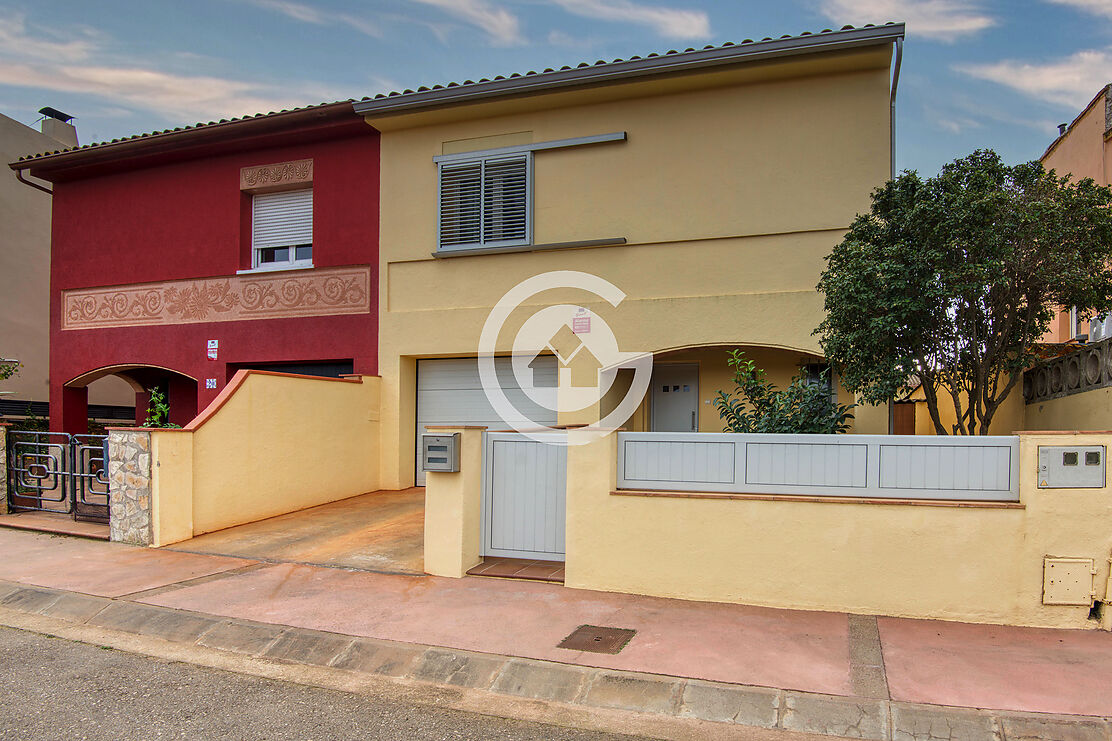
(440, 453)
(1071, 466)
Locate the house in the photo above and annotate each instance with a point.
(1074, 389)
(184, 255)
(25, 276)
(1083, 149)
(704, 187)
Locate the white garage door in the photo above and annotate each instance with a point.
(449, 392)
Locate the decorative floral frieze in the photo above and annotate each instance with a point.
(282, 174)
(317, 292)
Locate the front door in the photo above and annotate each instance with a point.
(675, 397)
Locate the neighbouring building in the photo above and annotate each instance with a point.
(1083, 149)
(25, 276)
(184, 255)
(706, 185)
(1074, 390)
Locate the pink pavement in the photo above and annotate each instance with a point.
(999, 667)
(935, 662)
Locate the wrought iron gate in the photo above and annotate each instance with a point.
(58, 472)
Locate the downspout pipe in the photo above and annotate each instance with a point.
(25, 181)
(1106, 611)
(895, 84)
(892, 165)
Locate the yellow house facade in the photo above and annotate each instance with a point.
(706, 186)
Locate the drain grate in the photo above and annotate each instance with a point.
(597, 640)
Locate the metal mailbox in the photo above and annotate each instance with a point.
(440, 453)
(1071, 466)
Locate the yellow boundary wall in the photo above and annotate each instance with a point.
(269, 444)
(971, 562)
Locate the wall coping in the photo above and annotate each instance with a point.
(960, 503)
(455, 427)
(1062, 432)
(238, 380)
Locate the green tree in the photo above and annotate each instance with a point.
(951, 281)
(756, 405)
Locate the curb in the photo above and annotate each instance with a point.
(570, 686)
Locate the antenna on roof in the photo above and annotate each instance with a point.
(1062, 128)
(55, 113)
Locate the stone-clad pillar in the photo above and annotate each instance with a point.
(4, 468)
(129, 488)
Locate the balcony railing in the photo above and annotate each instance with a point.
(1086, 368)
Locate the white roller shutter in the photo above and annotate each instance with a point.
(282, 219)
(449, 392)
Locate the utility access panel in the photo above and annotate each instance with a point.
(1071, 466)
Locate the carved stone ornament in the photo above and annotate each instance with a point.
(279, 176)
(317, 292)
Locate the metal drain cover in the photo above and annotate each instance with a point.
(597, 640)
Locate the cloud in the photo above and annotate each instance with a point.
(667, 22)
(16, 42)
(502, 25)
(941, 20)
(957, 125)
(1071, 82)
(85, 66)
(180, 96)
(318, 17)
(1096, 7)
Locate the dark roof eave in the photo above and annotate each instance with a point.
(631, 69)
(184, 138)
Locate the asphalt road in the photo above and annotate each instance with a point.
(52, 688)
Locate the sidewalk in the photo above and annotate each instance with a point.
(805, 671)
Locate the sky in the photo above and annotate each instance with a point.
(976, 73)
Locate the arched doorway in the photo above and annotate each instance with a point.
(71, 413)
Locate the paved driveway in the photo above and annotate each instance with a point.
(380, 531)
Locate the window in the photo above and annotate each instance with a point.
(282, 230)
(822, 374)
(485, 202)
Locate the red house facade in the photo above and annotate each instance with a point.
(182, 256)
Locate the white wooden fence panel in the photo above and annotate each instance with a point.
(966, 468)
(806, 464)
(706, 462)
(525, 486)
(914, 467)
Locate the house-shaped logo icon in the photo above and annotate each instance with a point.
(578, 367)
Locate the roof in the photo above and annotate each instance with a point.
(1106, 90)
(168, 137)
(600, 72)
(585, 73)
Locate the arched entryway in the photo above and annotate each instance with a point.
(180, 390)
(687, 380)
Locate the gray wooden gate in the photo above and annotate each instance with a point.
(524, 491)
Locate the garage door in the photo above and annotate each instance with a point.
(449, 392)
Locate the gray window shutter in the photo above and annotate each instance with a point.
(282, 219)
(505, 200)
(485, 202)
(460, 204)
